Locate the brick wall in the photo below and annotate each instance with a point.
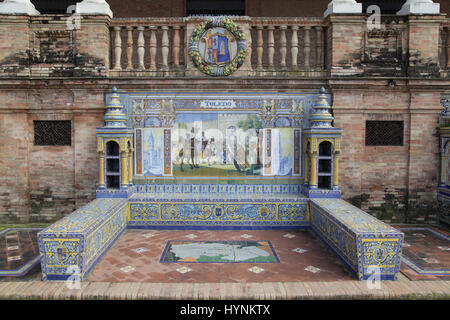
(14, 161)
(424, 45)
(389, 172)
(88, 117)
(43, 183)
(345, 40)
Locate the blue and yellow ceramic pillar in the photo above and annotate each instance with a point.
(115, 129)
(320, 130)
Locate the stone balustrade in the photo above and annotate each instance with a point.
(292, 47)
(147, 46)
(289, 46)
(276, 46)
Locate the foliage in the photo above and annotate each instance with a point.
(252, 122)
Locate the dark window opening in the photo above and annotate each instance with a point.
(215, 7)
(384, 133)
(52, 133)
(324, 182)
(325, 165)
(53, 6)
(113, 182)
(112, 167)
(112, 149)
(325, 149)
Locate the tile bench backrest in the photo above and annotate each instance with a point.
(218, 213)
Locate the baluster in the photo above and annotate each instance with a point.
(176, 47)
(153, 44)
(165, 48)
(117, 49)
(259, 48)
(307, 47)
(283, 47)
(448, 48)
(141, 49)
(130, 48)
(319, 43)
(294, 48)
(249, 48)
(270, 46)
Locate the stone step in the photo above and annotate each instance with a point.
(403, 289)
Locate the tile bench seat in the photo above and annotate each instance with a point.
(370, 248)
(75, 243)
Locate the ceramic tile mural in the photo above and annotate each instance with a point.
(216, 144)
(218, 136)
(153, 150)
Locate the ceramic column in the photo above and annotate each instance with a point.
(313, 178)
(101, 169)
(336, 171)
(130, 166)
(124, 169)
(307, 167)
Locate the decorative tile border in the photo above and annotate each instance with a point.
(428, 272)
(220, 188)
(27, 266)
(419, 270)
(218, 212)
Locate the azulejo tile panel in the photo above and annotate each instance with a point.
(239, 212)
(369, 247)
(75, 243)
(353, 218)
(219, 188)
(340, 240)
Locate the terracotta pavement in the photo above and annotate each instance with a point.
(135, 257)
(429, 249)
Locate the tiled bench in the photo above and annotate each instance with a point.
(370, 248)
(75, 243)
